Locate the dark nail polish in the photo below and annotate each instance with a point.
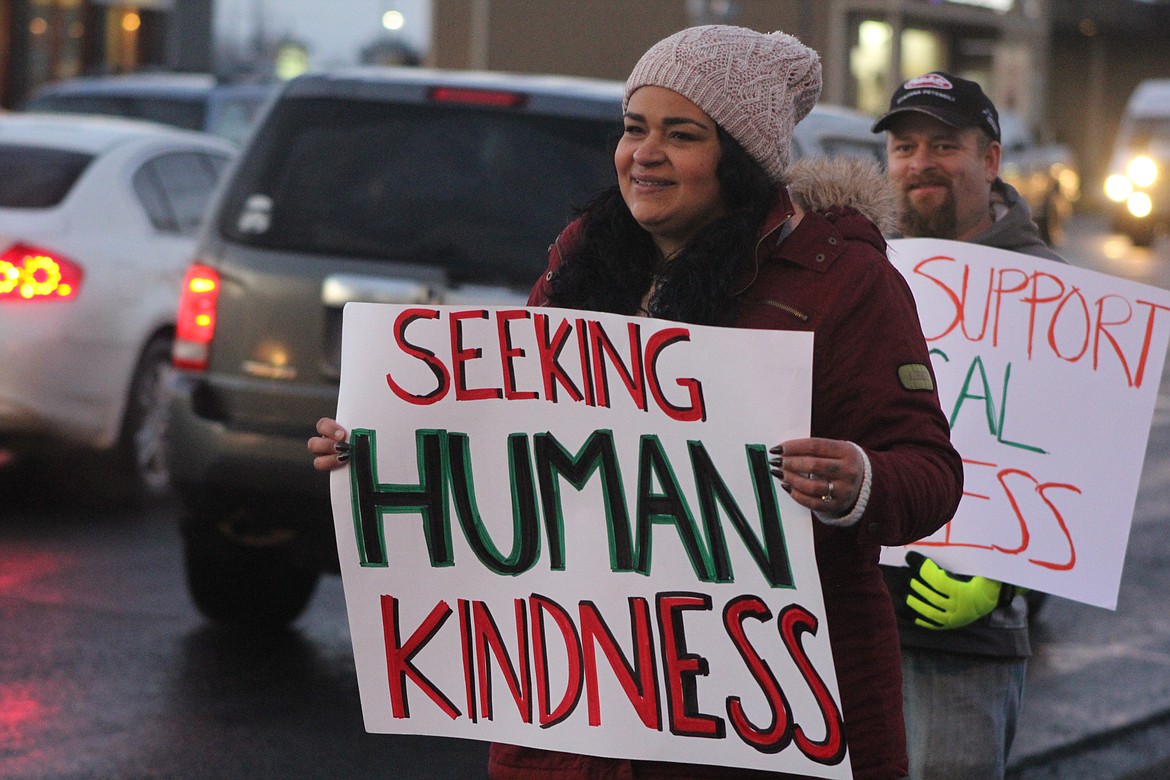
(341, 446)
(342, 457)
(777, 450)
(777, 461)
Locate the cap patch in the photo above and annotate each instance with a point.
(936, 80)
(915, 376)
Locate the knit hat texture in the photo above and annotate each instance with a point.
(756, 86)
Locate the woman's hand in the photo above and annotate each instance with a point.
(822, 474)
(329, 446)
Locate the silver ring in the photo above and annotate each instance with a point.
(830, 488)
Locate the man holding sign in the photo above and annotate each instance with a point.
(964, 639)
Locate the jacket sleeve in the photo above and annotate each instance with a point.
(874, 385)
(540, 294)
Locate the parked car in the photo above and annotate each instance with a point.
(385, 185)
(97, 224)
(1046, 175)
(193, 101)
(1138, 178)
(837, 131)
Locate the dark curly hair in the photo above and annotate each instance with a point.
(614, 261)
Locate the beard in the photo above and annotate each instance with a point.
(939, 222)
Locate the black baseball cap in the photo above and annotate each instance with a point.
(956, 101)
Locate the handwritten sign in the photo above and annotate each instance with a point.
(559, 530)
(1049, 375)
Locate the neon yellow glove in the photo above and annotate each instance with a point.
(946, 600)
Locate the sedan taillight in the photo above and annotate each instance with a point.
(29, 273)
(195, 326)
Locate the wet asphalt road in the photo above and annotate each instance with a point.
(106, 671)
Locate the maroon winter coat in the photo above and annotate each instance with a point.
(830, 276)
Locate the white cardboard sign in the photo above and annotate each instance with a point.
(1049, 375)
(558, 529)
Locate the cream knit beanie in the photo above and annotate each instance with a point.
(755, 86)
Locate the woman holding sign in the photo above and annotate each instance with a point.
(708, 225)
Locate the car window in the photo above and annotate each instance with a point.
(37, 178)
(187, 113)
(1012, 132)
(852, 147)
(480, 192)
(231, 115)
(174, 189)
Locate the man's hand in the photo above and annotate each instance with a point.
(946, 600)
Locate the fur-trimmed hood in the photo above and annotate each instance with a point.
(820, 183)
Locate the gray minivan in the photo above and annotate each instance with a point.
(383, 185)
(386, 185)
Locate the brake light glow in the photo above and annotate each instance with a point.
(195, 325)
(478, 97)
(28, 273)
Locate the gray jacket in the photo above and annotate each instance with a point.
(1013, 227)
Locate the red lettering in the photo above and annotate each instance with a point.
(1147, 337)
(586, 367)
(465, 642)
(1025, 535)
(632, 377)
(680, 668)
(639, 681)
(1005, 477)
(518, 678)
(796, 621)
(1075, 323)
(1072, 550)
(1103, 330)
(954, 299)
(658, 342)
(778, 734)
(399, 657)
(460, 356)
(509, 353)
(547, 715)
(1002, 288)
(548, 350)
(443, 379)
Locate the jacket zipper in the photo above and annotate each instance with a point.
(784, 307)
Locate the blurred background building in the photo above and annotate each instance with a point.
(1065, 66)
(47, 40)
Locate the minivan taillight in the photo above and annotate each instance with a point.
(496, 98)
(30, 273)
(195, 327)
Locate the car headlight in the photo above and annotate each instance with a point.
(1142, 171)
(1118, 187)
(1139, 204)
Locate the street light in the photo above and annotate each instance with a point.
(393, 20)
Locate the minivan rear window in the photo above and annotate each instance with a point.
(480, 192)
(33, 177)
